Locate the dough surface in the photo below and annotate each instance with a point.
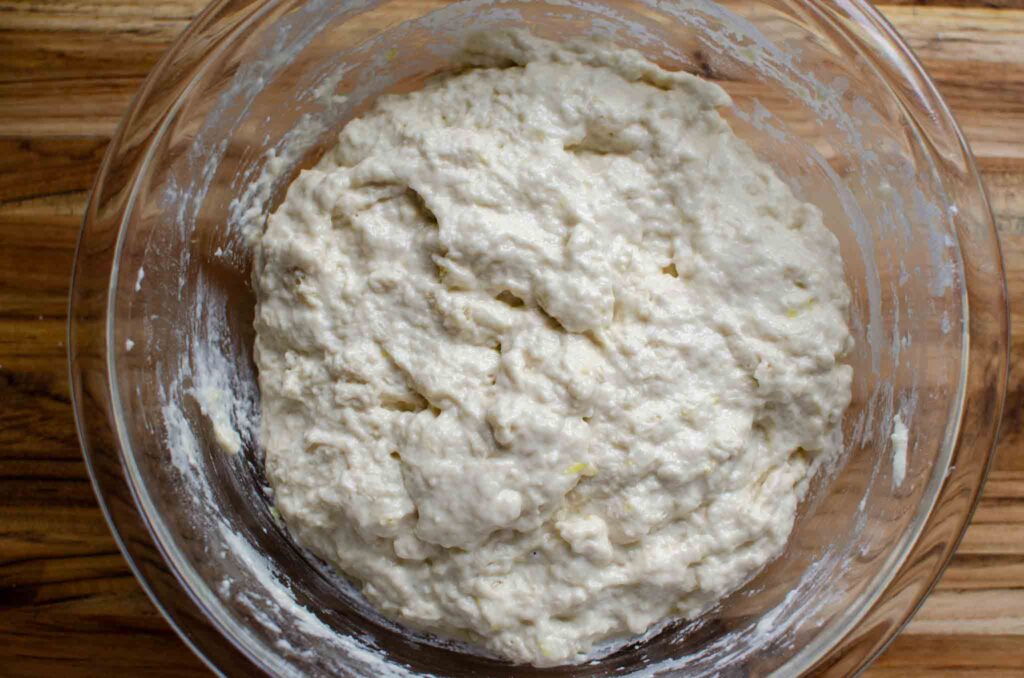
(546, 354)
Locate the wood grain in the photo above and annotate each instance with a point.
(68, 603)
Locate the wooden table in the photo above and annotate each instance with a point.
(69, 605)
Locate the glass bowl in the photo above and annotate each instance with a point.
(160, 330)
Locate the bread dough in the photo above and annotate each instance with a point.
(546, 354)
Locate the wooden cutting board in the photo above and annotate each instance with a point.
(68, 603)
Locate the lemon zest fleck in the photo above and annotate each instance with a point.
(581, 468)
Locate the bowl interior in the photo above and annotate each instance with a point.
(836, 125)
